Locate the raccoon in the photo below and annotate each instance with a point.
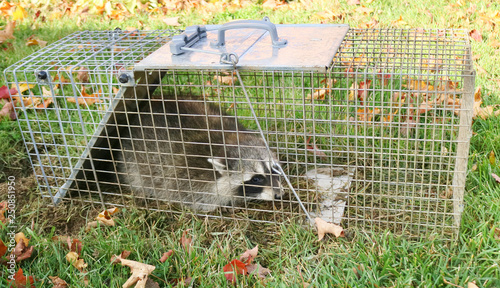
(189, 151)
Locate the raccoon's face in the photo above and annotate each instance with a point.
(244, 178)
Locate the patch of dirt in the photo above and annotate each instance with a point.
(32, 209)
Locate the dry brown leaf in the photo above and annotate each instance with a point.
(472, 285)
(319, 94)
(424, 107)
(271, 4)
(494, 43)
(20, 236)
(58, 282)
(496, 177)
(83, 75)
(34, 41)
(483, 112)
(497, 233)
(8, 110)
(172, 21)
(104, 218)
(8, 32)
(258, 270)
(399, 22)
(325, 227)
(140, 271)
(22, 251)
(166, 255)
(227, 80)
(249, 255)
(74, 245)
(85, 98)
(3, 209)
(186, 242)
(125, 254)
(476, 35)
(364, 10)
(76, 261)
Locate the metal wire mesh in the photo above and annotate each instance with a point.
(389, 120)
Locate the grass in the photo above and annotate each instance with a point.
(289, 250)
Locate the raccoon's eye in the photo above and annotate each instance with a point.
(258, 179)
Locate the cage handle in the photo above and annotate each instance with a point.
(264, 24)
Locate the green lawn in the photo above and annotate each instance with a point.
(290, 251)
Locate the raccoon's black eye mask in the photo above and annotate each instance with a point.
(257, 180)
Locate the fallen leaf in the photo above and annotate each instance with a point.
(259, 271)
(494, 43)
(83, 75)
(227, 80)
(8, 32)
(364, 10)
(140, 271)
(472, 285)
(58, 282)
(74, 245)
(85, 98)
(492, 158)
(314, 149)
(181, 281)
(325, 227)
(166, 255)
(125, 254)
(496, 177)
(103, 218)
(20, 236)
(172, 21)
(363, 90)
(407, 126)
(234, 268)
(399, 21)
(476, 35)
(4, 92)
(19, 14)
(34, 41)
(23, 87)
(483, 112)
(8, 110)
(497, 233)
(270, 4)
(22, 281)
(249, 255)
(186, 242)
(424, 107)
(3, 248)
(22, 251)
(76, 261)
(319, 94)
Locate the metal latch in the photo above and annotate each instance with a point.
(187, 39)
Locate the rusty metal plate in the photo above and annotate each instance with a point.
(309, 47)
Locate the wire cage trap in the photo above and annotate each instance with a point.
(369, 128)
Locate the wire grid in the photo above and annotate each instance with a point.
(394, 108)
(81, 68)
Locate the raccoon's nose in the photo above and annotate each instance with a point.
(277, 196)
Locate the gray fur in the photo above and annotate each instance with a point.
(169, 156)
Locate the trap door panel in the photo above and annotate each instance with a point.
(308, 47)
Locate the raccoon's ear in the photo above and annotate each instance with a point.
(218, 164)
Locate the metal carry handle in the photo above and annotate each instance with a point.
(264, 24)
